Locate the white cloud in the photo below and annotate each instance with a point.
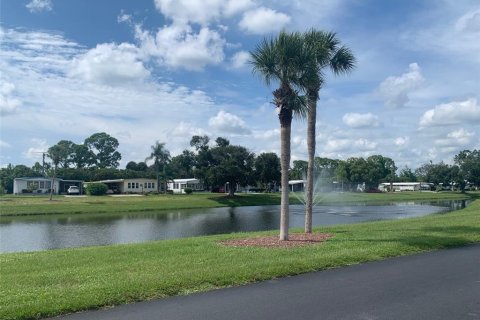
(36, 151)
(308, 13)
(337, 145)
(351, 146)
(359, 120)
(57, 106)
(39, 5)
(298, 141)
(178, 46)
(236, 6)
(200, 11)
(395, 90)
(402, 141)
(4, 144)
(240, 59)
(451, 113)
(225, 122)
(453, 35)
(267, 134)
(40, 50)
(124, 18)
(365, 145)
(8, 102)
(110, 64)
(263, 20)
(469, 22)
(456, 138)
(187, 129)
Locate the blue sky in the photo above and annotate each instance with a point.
(165, 70)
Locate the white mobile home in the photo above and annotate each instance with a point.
(179, 185)
(403, 186)
(139, 185)
(40, 185)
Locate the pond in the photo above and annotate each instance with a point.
(34, 233)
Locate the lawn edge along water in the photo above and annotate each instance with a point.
(49, 283)
(38, 205)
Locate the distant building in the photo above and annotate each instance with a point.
(405, 186)
(179, 185)
(43, 185)
(138, 185)
(297, 185)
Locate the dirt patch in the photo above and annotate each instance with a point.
(294, 240)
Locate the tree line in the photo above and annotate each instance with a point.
(98, 159)
(219, 163)
(373, 170)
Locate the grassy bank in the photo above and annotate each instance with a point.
(40, 284)
(32, 205)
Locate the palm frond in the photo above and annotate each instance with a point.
(263, 61)
(343, 61)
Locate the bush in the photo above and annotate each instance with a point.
(96, 189)
(188, 190)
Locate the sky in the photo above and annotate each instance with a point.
(165, 70)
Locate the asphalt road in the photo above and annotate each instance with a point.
(443, 284)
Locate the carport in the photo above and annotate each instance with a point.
(65, 184)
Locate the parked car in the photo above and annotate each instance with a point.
(73, 190)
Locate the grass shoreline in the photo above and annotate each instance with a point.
(49, 283)
(37, 205)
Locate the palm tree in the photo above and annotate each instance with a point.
(283, 60)
(327, 53)
(160, 157)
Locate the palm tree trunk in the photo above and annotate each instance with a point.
(285, 116)
(311, 121)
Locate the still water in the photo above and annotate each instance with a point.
(36, 233)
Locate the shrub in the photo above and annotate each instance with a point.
(96, 189)
(188, 190)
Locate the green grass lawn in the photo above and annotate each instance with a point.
(32, 205)
(47, 283)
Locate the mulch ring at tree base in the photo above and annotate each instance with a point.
(294, 240)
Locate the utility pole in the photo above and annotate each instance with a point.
(43, 164)
(44, 153)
